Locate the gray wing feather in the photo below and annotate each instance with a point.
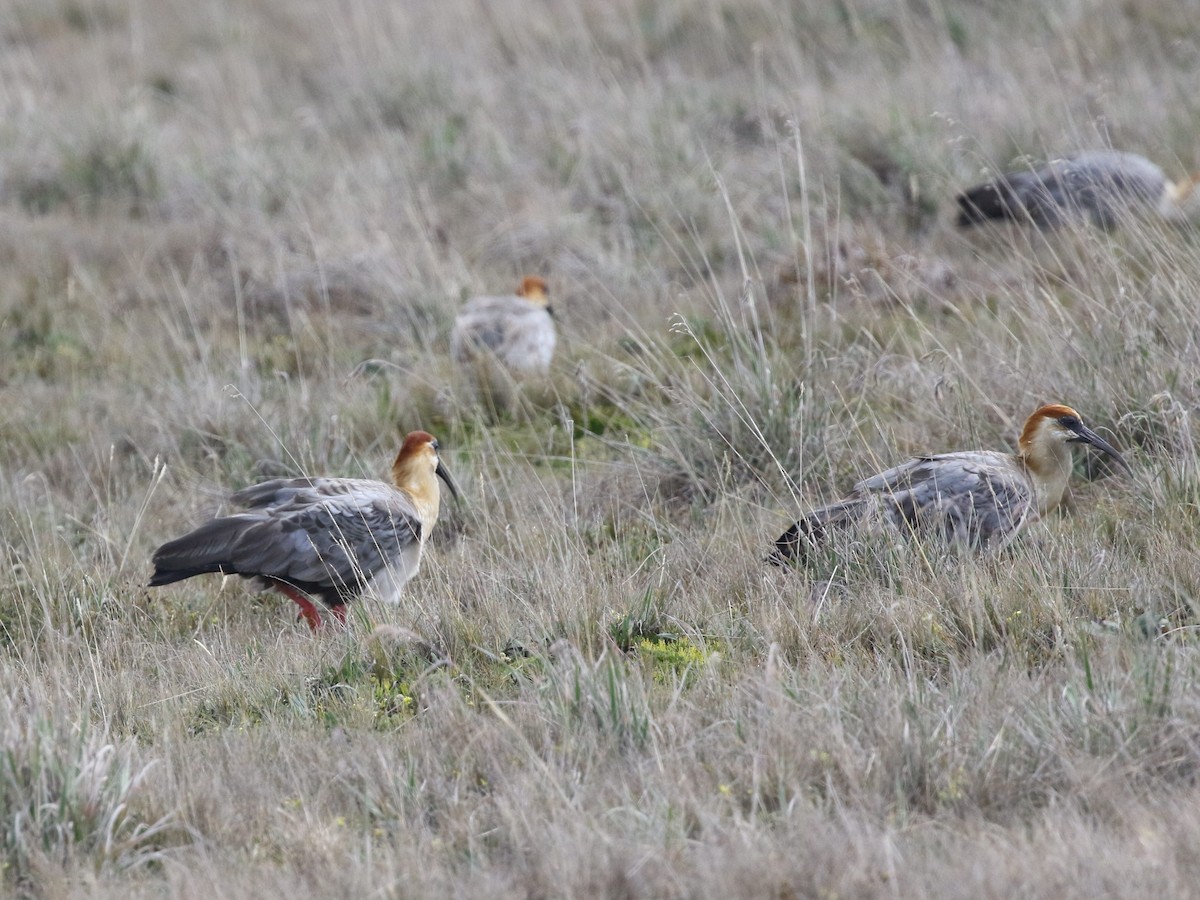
(485, 321)
(1104, 184)
(337, 532)
(343, 544)
(342, 529)
(1100, 184)
(521, 334)
(973, 498)
(296, 493)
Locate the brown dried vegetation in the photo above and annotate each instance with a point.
(233, 238)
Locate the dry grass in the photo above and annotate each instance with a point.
(232, 240)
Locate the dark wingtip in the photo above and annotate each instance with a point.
(969, 213)
(170, 576)
(796, 544)
(786, 547)
(986, 202)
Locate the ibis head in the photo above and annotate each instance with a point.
(1050, 431)
(534, 290)
(417, 466)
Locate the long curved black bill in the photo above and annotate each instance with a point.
(441, 473)
(1087, 436)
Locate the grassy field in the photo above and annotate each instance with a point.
(233, 237)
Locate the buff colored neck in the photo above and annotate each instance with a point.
(1181, 201)
(1049, 463)
(415, 477)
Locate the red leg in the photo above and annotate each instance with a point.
(308, 609)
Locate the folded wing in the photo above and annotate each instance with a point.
(520, 334)
(973, 498)
(1101, 185)
(328, 537)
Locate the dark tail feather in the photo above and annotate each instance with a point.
(170, 576)
(792, 545)
(801, 539)
(996, 200)
(200, 552)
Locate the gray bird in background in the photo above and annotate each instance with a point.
(1104, 187)
(517, 330)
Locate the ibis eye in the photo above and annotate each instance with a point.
(435, 445)
(1069, 422)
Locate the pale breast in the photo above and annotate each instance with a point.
(518, 333)
(388, 582)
